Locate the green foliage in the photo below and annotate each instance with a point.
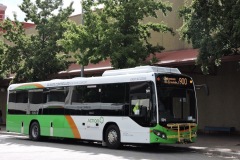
(213, 27)
(116, 31)
(35, 57)
(2, 54)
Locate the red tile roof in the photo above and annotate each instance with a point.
(25, 25)
(28, 25)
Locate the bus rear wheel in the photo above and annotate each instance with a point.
(34, 132)
(112, 137)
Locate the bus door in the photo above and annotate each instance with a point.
(141, 102)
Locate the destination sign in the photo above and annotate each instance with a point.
(174, 80)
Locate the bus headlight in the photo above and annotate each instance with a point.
(160, 134)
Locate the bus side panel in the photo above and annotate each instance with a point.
(58, 126)
(91, 128)
(84, 127)
(19, 123)
(14, 123)
(50, 125)
(70, 129)
(131, 132)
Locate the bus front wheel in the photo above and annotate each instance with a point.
(112, 137)
(34, 132)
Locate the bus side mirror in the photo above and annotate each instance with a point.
(204, 86)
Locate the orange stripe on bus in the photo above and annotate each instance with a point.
(73, 127)
(39, 85)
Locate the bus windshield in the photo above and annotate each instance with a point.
(176, 102)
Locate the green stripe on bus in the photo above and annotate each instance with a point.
(29, 86)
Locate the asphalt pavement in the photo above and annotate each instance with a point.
(227, 145)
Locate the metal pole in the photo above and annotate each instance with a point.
(82, 70)
(82, 22)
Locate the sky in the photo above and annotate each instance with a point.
(12, 6)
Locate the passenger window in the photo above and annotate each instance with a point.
(85, 100)
(55, 100)
(18, 102)
(91, 94)
(12, 97)
(22, 97)
(36, 99)
(77, 94)
(113, 100)
(113, 93)
(57, 94)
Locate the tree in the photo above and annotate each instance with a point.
(35, 57)
(213, 27)
(82, 40)
(116, 31)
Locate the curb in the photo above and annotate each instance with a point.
(11, 133)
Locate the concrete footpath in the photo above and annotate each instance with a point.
(217, 144)
(225, 145)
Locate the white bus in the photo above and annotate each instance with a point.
(144, 104)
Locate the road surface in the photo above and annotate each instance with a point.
(16, 147)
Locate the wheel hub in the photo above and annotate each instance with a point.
(35, 132)
(112, 136)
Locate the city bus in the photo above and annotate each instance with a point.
(141, 105)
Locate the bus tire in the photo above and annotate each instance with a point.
(34, 132)
(112, 137)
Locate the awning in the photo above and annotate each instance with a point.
(186, 57)
(171, 58)
(75, 69)
(177, 58)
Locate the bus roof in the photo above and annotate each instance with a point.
(141, 69)
(143, 73)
